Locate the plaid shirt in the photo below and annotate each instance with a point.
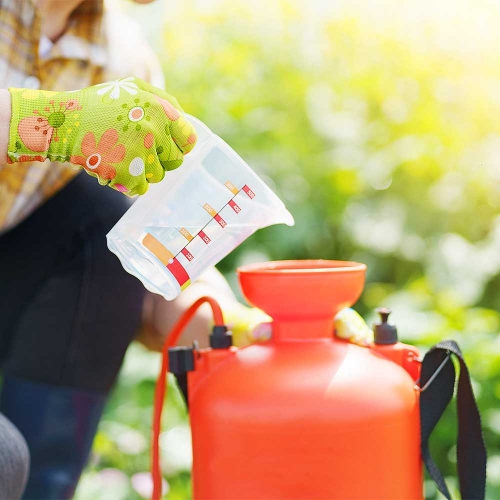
(95, 47)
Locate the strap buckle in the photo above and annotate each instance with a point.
(434, 375)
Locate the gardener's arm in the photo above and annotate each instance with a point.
(248, 324)
(4, 124)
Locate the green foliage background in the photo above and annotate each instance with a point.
(378, 125)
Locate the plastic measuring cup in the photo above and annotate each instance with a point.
(193, 218)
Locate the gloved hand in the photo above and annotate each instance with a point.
(349, 325)
(250, 325)
(126, 133)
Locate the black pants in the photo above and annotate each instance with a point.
(68, 310)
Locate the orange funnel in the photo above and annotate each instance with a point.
(302, 296)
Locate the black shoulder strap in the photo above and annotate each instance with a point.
(437, 381)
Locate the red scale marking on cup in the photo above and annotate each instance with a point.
(234, 206)
(204, 237)
(248, 191)
(180, 274)
(221, 221)
(189, 256)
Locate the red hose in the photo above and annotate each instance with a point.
(161, 386)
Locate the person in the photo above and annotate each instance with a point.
(85, 90)
(68, 309)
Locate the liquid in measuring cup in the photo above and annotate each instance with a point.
(196, 216)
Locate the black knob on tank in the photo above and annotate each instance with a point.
(220, 338)
(383, 332)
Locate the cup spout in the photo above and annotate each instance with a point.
(283, 217)
(277, 215)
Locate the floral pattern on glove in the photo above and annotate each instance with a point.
(134, 114)
(98, 158)
(126, 133)
(38, 131)
(114, 87)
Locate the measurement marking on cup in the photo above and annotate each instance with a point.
(157, 248)
(170, 260)
(231, 187)
(167, 258)
(204, 237)
(209, 209)
(221, 221)
(186, 233)
(234, 206)
(179, 273)
(189, 256)
(248, 191)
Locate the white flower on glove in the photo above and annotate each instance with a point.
(114, 87)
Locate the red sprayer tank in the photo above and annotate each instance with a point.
(305, 415)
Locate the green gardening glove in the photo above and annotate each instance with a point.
(250, 325)
(126, 133)
(349, 325)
